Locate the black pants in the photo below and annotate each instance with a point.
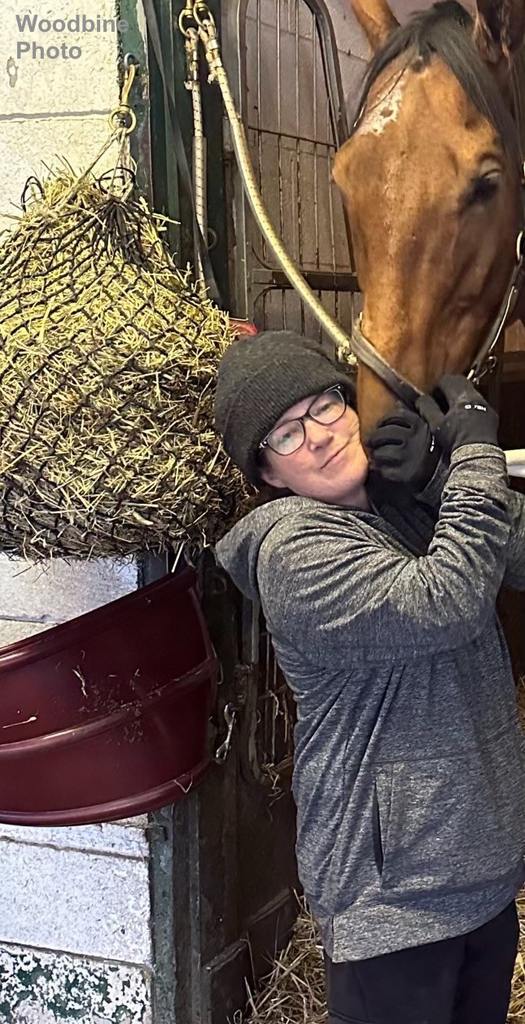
(465, 980)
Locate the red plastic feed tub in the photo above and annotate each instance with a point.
(107, 715)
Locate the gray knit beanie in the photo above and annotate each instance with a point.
(259, 378)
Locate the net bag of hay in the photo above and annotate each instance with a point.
(108, 357)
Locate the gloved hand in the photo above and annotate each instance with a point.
(462, 416)
(404, 450)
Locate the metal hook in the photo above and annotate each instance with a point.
(128, 84)
(230, 716)
(124, 117)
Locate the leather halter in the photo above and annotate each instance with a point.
(485, 359)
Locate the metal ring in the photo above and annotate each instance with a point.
(206, 18)
(184, 15)
(118, 118)
(519, 247)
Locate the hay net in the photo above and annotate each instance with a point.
(108, 357)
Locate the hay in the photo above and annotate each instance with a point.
(294, 992)
(517, 1003)
(107, 363)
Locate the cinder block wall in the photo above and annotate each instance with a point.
(75, 941)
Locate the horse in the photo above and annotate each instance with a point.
(431, 180)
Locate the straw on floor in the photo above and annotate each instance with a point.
(294, 992)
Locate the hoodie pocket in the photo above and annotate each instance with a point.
(447, 823)
(377, 831)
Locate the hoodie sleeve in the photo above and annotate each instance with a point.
(515, 568)
(514, 575)
(354, 594)
(432, 491)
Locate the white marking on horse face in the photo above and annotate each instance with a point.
(385, 109)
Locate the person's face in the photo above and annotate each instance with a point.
(330, 464)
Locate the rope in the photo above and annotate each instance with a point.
(185, 177)
(207, 32)
(199, 145)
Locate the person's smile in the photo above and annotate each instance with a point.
(331, 459)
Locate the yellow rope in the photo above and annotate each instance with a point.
(203, 20)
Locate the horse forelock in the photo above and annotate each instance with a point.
(445, 32)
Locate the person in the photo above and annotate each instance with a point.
(409, 759)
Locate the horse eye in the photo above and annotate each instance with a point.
(483, 189)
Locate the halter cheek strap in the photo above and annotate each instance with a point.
(486, 359)
(368, 355)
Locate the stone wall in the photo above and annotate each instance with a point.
(75, 938)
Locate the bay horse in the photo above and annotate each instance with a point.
(431, 180)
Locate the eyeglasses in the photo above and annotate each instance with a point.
(290, 435)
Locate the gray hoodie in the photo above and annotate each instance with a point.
(409, 759)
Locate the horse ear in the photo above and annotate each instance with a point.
(499, 28)
(376, 20)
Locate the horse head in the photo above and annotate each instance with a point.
(431, 181)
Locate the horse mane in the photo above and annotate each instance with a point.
(444, 31)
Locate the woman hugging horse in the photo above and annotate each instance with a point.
(409, 761)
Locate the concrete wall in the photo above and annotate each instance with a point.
(75, 942)
(56, 107)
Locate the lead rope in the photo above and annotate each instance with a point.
(185, 177)
(204, 25)
(199, 154)
(205, 28)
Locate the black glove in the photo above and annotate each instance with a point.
(404, 450)
(462, 416)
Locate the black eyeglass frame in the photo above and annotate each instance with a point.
(338, 388)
